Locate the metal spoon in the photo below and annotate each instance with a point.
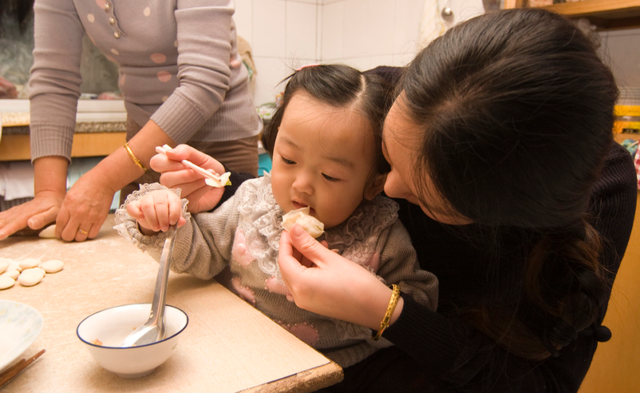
(153, 329)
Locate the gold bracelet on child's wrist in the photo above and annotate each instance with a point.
(393, 302)
(133, 157)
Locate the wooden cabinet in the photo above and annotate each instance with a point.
(605, 14)
(617, 362)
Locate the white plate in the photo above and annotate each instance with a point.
(20, 325)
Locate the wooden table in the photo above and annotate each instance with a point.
(228, 345)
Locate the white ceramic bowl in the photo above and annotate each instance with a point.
(110, 327)
(20, 325)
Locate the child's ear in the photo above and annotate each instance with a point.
(374, 186)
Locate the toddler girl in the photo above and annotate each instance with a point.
(325, 144)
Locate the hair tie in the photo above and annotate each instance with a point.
(561, 334)
(307, 66)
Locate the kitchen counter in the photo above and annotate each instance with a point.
(228, 346)
(100, 129)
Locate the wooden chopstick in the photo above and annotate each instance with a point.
(17, 368)
(189, 164)
(7, 371)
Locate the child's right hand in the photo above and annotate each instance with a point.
(157, 211)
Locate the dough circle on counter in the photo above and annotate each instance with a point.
(6, 282)
(30, 277)
(28, 263)
(52, 266)
(13, 273)
(4, 264)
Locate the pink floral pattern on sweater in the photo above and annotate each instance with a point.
(303, 331)
(272, 284)
(240, 251)
(244, 292)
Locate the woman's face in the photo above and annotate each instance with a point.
(400, 139)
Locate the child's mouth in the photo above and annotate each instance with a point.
(298, 205)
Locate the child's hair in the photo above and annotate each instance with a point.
(339, 86)
(517, 113)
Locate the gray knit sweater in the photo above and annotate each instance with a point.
(244, 233)
(179, 67)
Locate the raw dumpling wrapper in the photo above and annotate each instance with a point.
(312, 225)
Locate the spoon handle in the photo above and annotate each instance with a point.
(160, 292)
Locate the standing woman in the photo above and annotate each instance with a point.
(516, 198)
(182, 81)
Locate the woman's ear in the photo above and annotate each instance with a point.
(374, 186)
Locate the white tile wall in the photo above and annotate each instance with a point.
(268, 19)
(301, 30)
(333, 31)
(285, 34)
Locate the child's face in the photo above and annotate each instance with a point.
(323, 158)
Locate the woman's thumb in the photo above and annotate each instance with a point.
(306, 244)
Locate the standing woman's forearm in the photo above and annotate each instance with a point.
(119, 168)
(50, 175)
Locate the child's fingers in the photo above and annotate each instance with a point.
(175, 211)
(181, 221)
(134, 211)
(149, 208)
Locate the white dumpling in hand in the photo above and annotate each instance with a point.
(301, 216)
(49, 232)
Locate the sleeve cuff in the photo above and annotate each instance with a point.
(183, 126)
(50, 140)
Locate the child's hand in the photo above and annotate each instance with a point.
(201, 197)
(157, 211)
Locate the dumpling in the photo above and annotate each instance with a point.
(301, 216)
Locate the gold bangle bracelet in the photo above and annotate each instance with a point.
(133, 157)
(393, 302)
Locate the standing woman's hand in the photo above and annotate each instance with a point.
(85, 208)
(333, 286)
(201, 197)
(35, 214)
(50, 187)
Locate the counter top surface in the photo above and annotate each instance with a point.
(228, 344)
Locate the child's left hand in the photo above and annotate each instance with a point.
(157, 211)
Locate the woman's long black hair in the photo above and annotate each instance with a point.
(517, 113)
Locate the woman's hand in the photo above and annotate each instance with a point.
(201, 197)
(333, 286)
(50, 188)
(85, 208)
(157, 211)
(35, 214)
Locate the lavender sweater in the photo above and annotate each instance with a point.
(179, 67)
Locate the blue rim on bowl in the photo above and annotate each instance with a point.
(131, 305)
(21, 325)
